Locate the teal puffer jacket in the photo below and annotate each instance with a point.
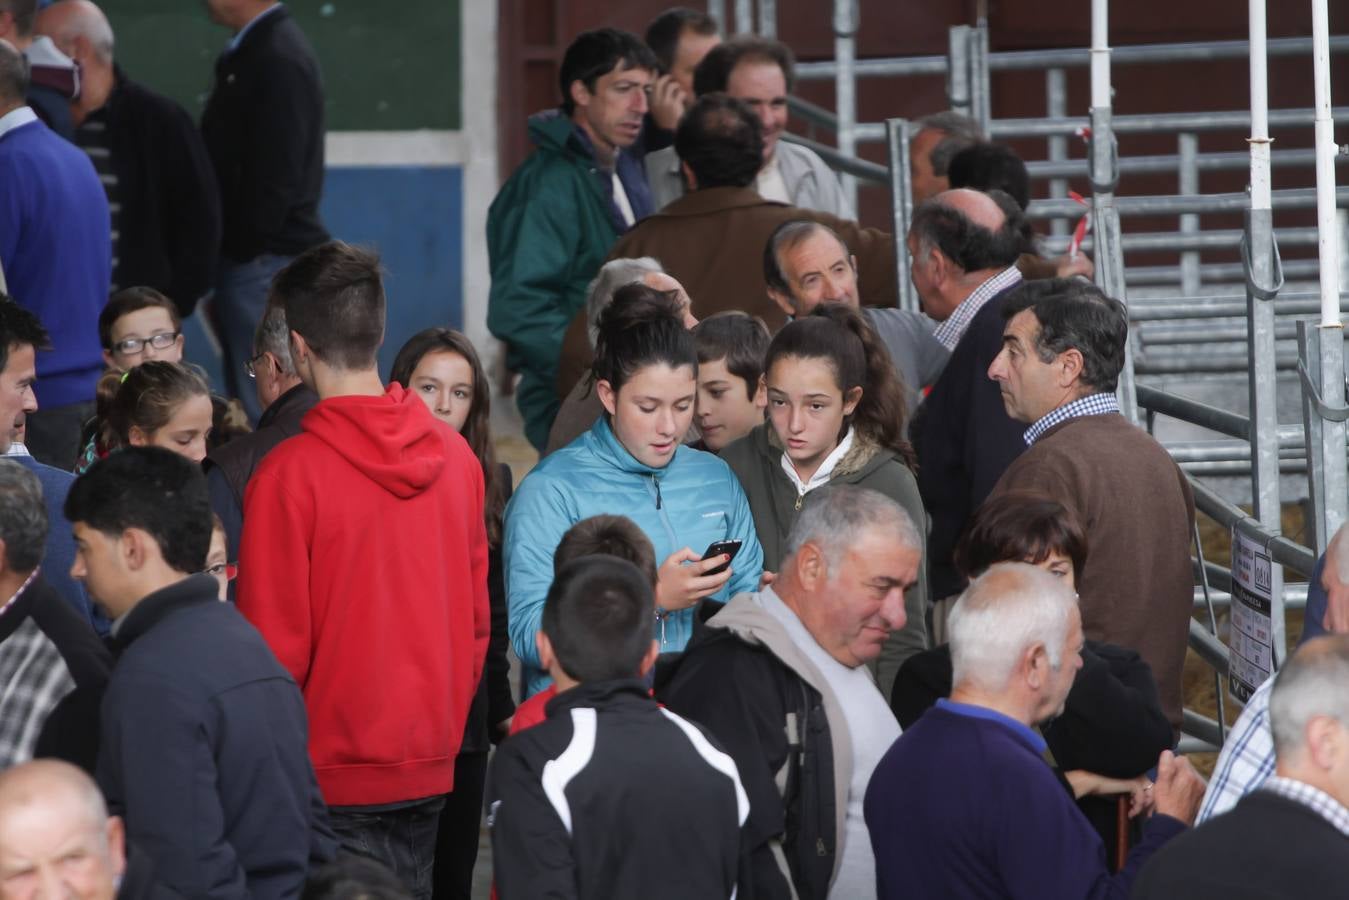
(693, 501)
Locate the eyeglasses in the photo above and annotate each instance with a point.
(251, 366)
(229, 570)
(131, 346)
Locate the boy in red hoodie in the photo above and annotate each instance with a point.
(363, 563)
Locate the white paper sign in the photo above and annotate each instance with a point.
(1250, 652)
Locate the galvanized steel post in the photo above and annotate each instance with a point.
(768, 19)
(1188, 150)
(958, 70)
(845, 86)
(901, 201)
(1056, 107)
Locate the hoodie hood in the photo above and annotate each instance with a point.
(393, 439)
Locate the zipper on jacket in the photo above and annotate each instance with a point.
(656, 481)
(799, 497)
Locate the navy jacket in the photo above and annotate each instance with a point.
(204, 750)
(964, 440)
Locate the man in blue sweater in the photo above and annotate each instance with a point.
(963, 804)
(56, 256)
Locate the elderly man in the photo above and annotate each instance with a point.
(1247, 759)
(806, 263)
(780, 679)
(1299, 817)
(760, 73)
(964, 246)
(56, 837)
(1063, 348)
(940, 137)
(152, 162)
(964, 804)
(712, 238)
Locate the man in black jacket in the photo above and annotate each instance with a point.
(263, 126)
(964, 246)
(611, 796)
(1290, 837)
(148, 153)
(49, 655)
(203, 747)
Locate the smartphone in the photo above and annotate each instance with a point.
(716, 548)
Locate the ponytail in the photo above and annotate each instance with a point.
(641, 327)
(145, 397)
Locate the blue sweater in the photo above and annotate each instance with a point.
(963, 805)
(56, 249)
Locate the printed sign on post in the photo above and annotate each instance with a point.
(1251, 654)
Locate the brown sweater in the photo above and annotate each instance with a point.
(1137, 588)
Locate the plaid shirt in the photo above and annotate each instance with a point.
(1090, 405)
(1315, 799)
(1247, 758)
(949, 333)
(33, 679)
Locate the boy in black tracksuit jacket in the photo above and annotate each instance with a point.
(611, 796)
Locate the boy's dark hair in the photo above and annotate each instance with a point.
(19, 328)
(354, 877)
(737, 337)
(722, 142)
(334, 298)
(129, 300)
(1076, 314)
(665, 31)
(152, 489)
(714, 72)
(985, 167)
(605, 535)
(597, 53)
(598, 618)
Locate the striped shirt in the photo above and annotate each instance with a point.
(1090, 405)
(1315, 799)
(949, 333)
(1247, 758)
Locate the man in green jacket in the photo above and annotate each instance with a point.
(551, 226)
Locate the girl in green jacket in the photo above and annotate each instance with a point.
(836, 413)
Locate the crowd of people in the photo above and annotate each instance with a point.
(812, 597)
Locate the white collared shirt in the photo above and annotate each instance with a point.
(949, 333)
(770, 184)
(821, 476)
(16, 118)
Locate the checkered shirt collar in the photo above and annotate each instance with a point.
(949, 333)
(1315, 799)
(1090, 405)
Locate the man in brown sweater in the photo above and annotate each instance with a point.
(1063, 348)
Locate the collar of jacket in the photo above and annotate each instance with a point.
(261, 27)
(156, 607)
(865, 453)
(291, 400)
(553, 130)
(718, 199)
(606, 446)
(750, 623)
(620, 691)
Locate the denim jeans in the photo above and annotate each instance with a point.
(239, 302)
(403, 838)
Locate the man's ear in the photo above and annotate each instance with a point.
(608, 396)
(689, 178)
(580, 94)
(299, 347)
(649, 659)
(133, 547)
(812, 570)
(117, 845)
(1073, 365)
(1035, 666)
(783, 302)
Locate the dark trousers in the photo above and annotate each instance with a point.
(403, 838)
(53, 435)
(460, 829)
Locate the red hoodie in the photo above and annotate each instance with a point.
(363, 563)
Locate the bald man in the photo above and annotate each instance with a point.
(151, 159)
(56, 837)
(964, 246)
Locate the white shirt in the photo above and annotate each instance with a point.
(871, 730)
(16, 117)
(770, 184)
(621, 200)
(821, 476)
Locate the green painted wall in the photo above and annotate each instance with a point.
(387, 64)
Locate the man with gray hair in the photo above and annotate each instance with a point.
(284, 400)
(780, 678)
(964, 804)
(56, 837)
(939, 138)
(46, 650)
(1299, 817)
(151, 159)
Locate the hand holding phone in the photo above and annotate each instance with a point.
(717, 548)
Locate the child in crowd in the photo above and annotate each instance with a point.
(633, 461)
(596, 536)
(440, 366)
(611, 796)
(731, 395)
(156, 404)
(138, 325)
(836, 415)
